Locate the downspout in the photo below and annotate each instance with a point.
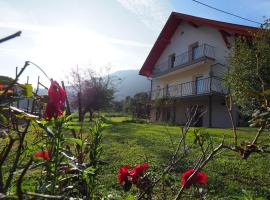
(150, 96)
(151, 87)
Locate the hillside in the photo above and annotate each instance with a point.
(130, 84)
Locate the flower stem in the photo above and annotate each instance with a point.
(40, 69)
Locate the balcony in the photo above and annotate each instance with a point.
(196, 55)
(199, 87)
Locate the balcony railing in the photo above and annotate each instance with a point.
(189, 57)
(192, 88)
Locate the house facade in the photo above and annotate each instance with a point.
(186, 65)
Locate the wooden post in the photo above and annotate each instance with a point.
(39, 105)
(67, 102)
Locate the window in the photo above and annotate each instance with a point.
(171, 60)
(194, 51)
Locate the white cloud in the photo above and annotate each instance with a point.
(153, 13)
(60, 48)
(38, 28)
(61, 45)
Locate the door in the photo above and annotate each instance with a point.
(195, 52)
(199, 84)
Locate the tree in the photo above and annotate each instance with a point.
(93, 92)
(137, 105)
(117, 106)
(141, 108)
(127, 105)
(249, 76)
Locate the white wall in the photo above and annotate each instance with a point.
(186, 34)
(178, 77)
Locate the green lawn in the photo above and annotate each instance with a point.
(133, 143)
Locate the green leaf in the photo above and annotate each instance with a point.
(74, 127)
(3, 119)
(48, 130)
(89, 171)
(130, 197)
(28, 90)
(75, 141)
(70, 116)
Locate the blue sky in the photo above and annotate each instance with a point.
(61, 34)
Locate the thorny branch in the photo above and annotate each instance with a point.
(191, 114)
(199, 165)
(20, 137)
(229, 109)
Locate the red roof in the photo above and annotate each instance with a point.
(170, 27)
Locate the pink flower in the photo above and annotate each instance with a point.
(198, 178)
(138, 171)
(56, 104)
(43, 154)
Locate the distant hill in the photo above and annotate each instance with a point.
(130, 84)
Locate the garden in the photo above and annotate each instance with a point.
(66, 147)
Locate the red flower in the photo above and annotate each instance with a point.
(56, 104)
(123, 174)
(198, 178)
(43, 154)
(138, 171)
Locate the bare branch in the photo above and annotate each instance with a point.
(229, 109)
(19, 181)
(17, 34)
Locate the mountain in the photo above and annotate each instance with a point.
(130, 83)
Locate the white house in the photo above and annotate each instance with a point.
(187, 63)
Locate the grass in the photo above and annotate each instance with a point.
(133, 143)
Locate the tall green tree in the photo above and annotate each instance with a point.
(249, 75)
(137, 105)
